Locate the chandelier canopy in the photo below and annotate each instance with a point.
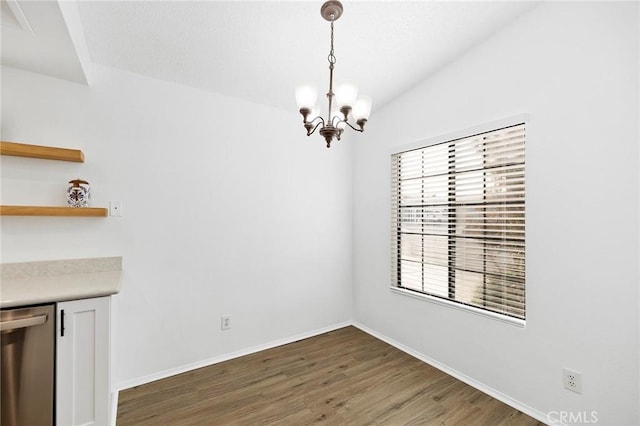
(345, 97)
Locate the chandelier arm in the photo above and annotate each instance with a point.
(317, 117)
(333, 120)
(310, 132)
(349, 124)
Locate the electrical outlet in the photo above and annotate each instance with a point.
(572, 380)
(225, 322)
(115, 208)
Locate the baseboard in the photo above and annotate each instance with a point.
(518, 405)
(224, 357)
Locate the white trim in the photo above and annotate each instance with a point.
(457, 134)
(224, 357)
(18, 13)
(518, 405)
(459, 306)
(71, 16)
(113, 412)
(113, 409)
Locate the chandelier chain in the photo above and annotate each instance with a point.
(332, 56)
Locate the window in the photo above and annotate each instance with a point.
(458, 221)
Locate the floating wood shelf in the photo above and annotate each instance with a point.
(53, 211)
(37, 151)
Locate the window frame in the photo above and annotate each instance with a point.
(445, 138)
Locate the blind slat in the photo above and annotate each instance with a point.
(458, 220)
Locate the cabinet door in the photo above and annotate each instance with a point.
(82, 362)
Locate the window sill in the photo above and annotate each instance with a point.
(470, 309)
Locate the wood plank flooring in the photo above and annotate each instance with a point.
(344, 377)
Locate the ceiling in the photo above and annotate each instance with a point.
(258, 51)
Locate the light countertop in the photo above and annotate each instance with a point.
(32, 283)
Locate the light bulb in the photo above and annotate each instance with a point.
(306, 96)
(346, 94)
(362, 108)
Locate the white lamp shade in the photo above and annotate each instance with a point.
(315, 112)
(346, 94)
(306, 96)
(362, 108)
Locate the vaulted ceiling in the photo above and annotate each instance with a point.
(258, 51)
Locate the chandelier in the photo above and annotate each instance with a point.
(345, 97)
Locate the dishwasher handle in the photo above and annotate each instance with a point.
(23, 322)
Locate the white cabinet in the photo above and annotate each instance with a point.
(82, 362)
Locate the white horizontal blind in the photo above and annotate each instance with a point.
(458, 220)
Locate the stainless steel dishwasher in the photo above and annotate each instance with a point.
(28, 352)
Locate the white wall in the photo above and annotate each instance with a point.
(228, 208)
(573, 67)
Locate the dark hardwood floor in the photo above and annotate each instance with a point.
(344, 377)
